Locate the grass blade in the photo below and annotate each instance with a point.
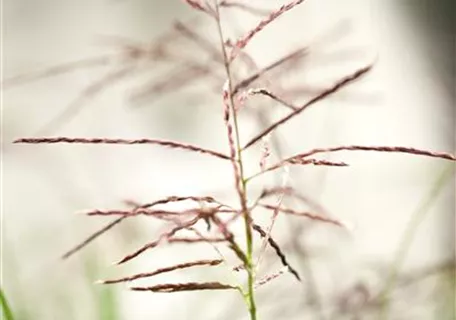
(7, 312)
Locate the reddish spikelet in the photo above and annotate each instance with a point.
(196, 4)
(396, 149)
(316, 162)
(303, 214)
(190, 286)
(195, 240)
(163, 270)
(154, 213)
(162, 237)
(277, 249)
(93, 237)
(270, 277)
(299, 161)
(339, 85)
(145, 247)
(165, 143)
(266, 92)
(244, 7)
(295, 55)
(243, 41)
(130, 213)
(202, 6)
(179, 199)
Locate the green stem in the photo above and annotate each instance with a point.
(250, 298)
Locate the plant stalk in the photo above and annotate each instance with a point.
(250, 295)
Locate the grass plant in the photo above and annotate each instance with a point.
(207, 219)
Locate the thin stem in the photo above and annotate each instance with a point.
(249, 295)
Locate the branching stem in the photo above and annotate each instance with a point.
(249, 295)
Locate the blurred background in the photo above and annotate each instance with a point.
(129, 69)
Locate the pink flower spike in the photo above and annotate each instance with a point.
(201, 6)
(243, 41)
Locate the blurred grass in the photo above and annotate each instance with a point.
(7, 312)
(409, 234)
(446, 308)
(16, 286)
(105, 295)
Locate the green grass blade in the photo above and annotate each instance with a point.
(7, 312)
(108, 304)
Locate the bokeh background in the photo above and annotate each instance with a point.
(400, 207)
